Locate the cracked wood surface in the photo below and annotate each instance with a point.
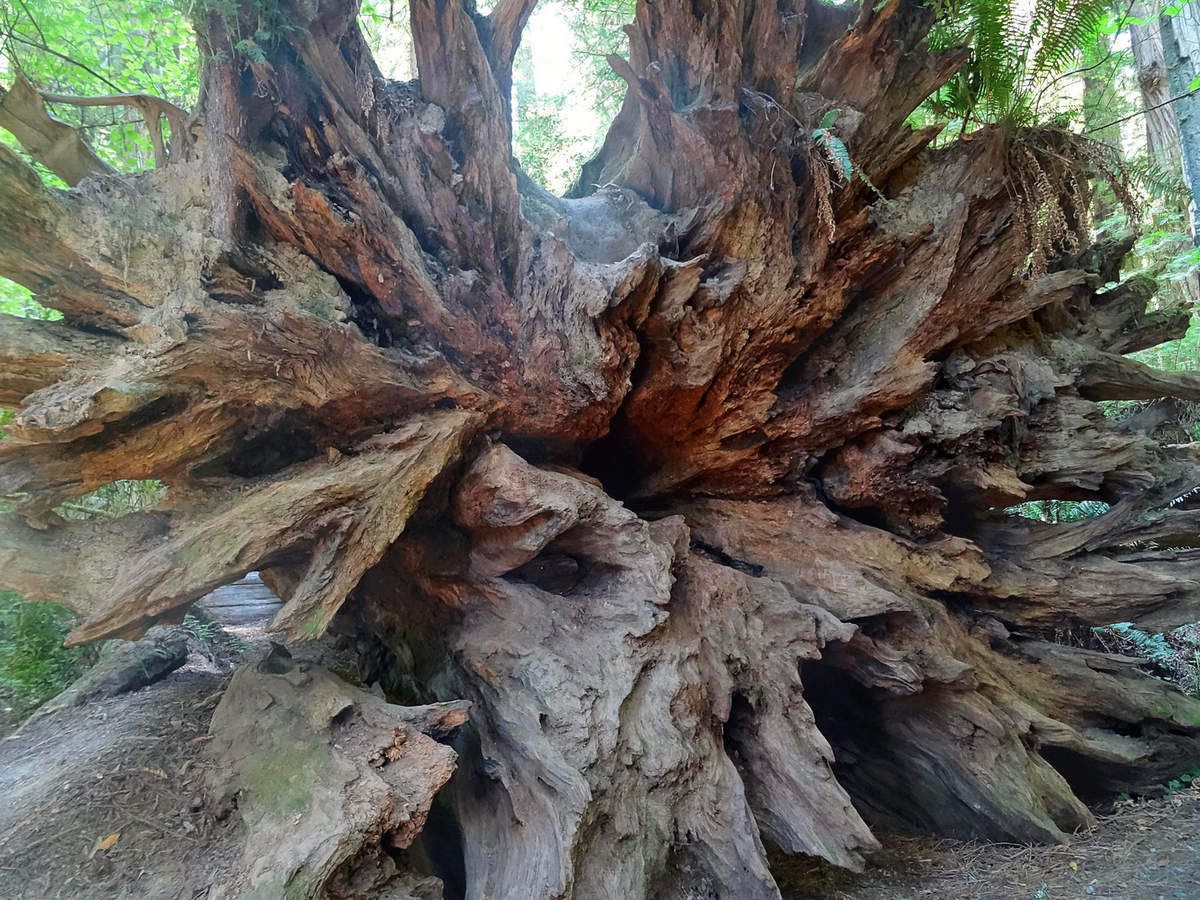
(692, 482)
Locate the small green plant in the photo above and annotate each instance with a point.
(833, 146)
(249, 27)
(1153, 647)
(211, 637)
(1183, 780)
(204, 633)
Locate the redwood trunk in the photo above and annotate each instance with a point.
(1162, 131)
(692, 483)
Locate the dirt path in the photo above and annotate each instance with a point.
(127, 766)
(131, 766)
(1146, 850)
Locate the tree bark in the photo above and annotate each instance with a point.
(692, 483)
(1181, 48)
(1162, 131)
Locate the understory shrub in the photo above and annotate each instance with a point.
(34, 664)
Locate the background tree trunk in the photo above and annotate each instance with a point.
(1162, 131)
(1181, 48)
(693, 484)
(1097, 85)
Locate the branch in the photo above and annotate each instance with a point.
(62, 56)
(50, 141)
(1142, 112)
(238, 527)
(40, 249)
(151, 109)
(35, 354)
(508, 22)
(1113, 377)
(1082, 69)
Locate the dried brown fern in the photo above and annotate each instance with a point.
(1049, 175)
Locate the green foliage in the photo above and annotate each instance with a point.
(555, 131)
(835, 149)
(597, 28)
(1156, 181)
(34, 664)
(17, 300)
(1181, 354)
(1018, 54)
(539, 142)
(1172, 656)
(98, 47)
(385, 25)
(1183, 781)
(204, 632)
(117, 498)
(1153, 647)
(211, 637)
(250, 27)
(1059, 510)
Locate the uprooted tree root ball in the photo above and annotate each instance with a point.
(691, 483)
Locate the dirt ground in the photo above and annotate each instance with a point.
(1141, 850)
(128, 767)
(105, 801)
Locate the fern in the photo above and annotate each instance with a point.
(1016, 52)
(1153, 647)
(835, 148)
(1155, 180)
(1070, 25)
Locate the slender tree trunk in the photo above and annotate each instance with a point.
(1181, 51)
(1097, 83)
(1162, 131)
(692, 485)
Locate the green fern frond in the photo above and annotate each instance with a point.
(836, 150)
(1069, 26)
(1016, 51)
(830, 117)
(1152, 646)
(1155, 180)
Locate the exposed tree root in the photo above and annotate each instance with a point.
(366, 356)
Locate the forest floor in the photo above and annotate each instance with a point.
(106, 800)
(1140, 850)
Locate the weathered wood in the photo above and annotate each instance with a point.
(364, 352)
(324, 778)
(35, 354)
(594, 697)
(49, 140)
(343, 512)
